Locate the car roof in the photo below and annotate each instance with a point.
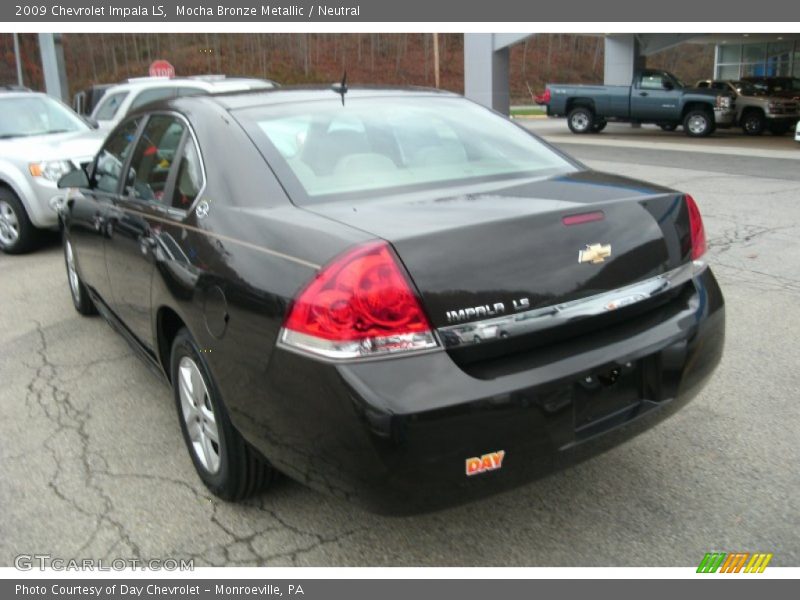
(13, 87)
(19, 93)
(283, 95)
(200, 82)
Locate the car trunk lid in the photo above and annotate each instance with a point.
(509, 249)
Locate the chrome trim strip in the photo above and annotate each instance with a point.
(219, 236)
(537, 319)
(345, 352)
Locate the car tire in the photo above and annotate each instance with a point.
(17, 233)
(668, 126)
(698, 123)
(80, 295)
(599, 125)
(228, 466)
(753, 122)
(581, 120)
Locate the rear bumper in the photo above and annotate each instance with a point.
(394, 434)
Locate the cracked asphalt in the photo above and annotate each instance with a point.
(94, 465)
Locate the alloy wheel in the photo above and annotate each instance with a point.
(698, 124)
(72, 273)
(580, 121)
(9, 224)
(198, 415)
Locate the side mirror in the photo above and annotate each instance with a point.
(76, 178)
(667, 85)
(91, 122)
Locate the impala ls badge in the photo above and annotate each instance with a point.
(464, 314)
(594, 253)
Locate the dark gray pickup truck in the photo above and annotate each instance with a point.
(655, 97)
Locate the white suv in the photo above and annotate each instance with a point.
(120, 99)
(41, 139)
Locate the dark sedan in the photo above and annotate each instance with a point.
(394, 296)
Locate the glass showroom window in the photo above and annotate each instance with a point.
(729, 61)
(778, 59)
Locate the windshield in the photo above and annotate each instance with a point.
(392, 144)
(790, 84)
(109, 105)
(779, 84)
(30, 115)
(745, 88)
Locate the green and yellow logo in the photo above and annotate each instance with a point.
(734, 562)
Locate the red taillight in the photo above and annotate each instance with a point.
(542, 98)
(361, 304)
(696, 228)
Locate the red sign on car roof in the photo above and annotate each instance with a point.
(161, 68)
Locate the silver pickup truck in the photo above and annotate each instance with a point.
(653, 97)
(757, 111)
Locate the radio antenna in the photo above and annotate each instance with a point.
(341, 88)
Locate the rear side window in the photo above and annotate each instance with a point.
(108, 166)
(153, 158)
(151, 95)
(108, 107)
(189, 180)
(392, 144)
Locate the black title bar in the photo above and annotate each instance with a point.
(446, 11)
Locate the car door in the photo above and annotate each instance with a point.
(137, 218)
(655, 98)
(89, 210)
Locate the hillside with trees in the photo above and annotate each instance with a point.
(373, 58)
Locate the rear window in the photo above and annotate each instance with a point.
(109, 106)
(388, 145)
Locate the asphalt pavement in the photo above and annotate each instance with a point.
(94, 464)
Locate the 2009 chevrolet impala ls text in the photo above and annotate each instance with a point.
(395, 296)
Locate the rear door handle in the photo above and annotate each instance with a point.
(643, 93)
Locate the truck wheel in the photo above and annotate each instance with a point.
(580, 120)
(698, 123)
(668, 126)
(753, 123)
(599, 126)
(779, 128)
(17, 233)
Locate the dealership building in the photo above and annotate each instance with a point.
(744, 56)
(486, 58)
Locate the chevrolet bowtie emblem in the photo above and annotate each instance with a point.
(594, 253)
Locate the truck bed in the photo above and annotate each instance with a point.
(609, 100)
